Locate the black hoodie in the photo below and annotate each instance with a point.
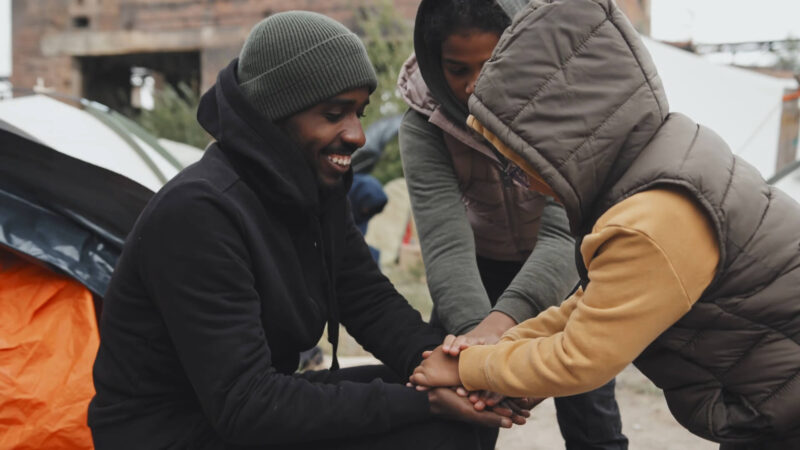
(232, 269)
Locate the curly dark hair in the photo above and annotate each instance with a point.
(445, 17)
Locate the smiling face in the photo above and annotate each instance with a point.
(328, 133)
(463, 56)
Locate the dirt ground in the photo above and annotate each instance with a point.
(646, 421)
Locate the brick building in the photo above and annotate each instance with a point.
(87, 47)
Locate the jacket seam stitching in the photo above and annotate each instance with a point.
(575, 52)
(691, 148)
(511, 36)
(592, 136)
(744, 253)
(778, 273)
(750, 320)
(760, 222)
(780, 388)
(641, 68)
(742, 356)
(730, 181)
(695, 336)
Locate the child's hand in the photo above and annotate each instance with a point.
(437, 369)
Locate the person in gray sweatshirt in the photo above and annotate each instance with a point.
(495, 252)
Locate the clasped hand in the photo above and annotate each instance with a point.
(439, 369)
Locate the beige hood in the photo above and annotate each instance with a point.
(572, 90)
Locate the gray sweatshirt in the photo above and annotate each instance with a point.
(464, 206)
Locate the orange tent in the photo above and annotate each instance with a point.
(63, 222)
(48, 341)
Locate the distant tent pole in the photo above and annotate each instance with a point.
(791, 96)
(134, 128)
(790, 129)
(116, 127)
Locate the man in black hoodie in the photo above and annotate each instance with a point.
(240, 261)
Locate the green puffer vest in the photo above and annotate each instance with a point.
(572, 89)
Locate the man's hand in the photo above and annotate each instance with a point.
(483, 399)
(505, 406)
(516, 406)
(447, 404)
(487, 332)
(527, 402)
(436, 370)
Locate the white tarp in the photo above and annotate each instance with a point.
(742, 106)
(790, 184)
(77, 133)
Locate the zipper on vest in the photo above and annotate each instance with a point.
(508, 191)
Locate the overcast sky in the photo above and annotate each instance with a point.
(713, 21)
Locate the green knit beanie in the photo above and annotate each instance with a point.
(296, 59)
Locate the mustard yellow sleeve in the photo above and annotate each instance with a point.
(649, 258)
(548, 322)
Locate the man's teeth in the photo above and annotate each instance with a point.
(342, 160)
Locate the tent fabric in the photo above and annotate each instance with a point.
(57, 241)
(104, 201)
(64, 211)
(742, 106)
(92, 137)
(48, 341)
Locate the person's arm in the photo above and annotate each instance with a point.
(448, 245)
(441, 366)
(375, 314)
(551, 321)
(200, 279)
(544, 280)
(548, 275)
(618, 316)
(645, 274)
(383, 322)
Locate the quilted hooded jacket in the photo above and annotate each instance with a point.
(572, 91)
